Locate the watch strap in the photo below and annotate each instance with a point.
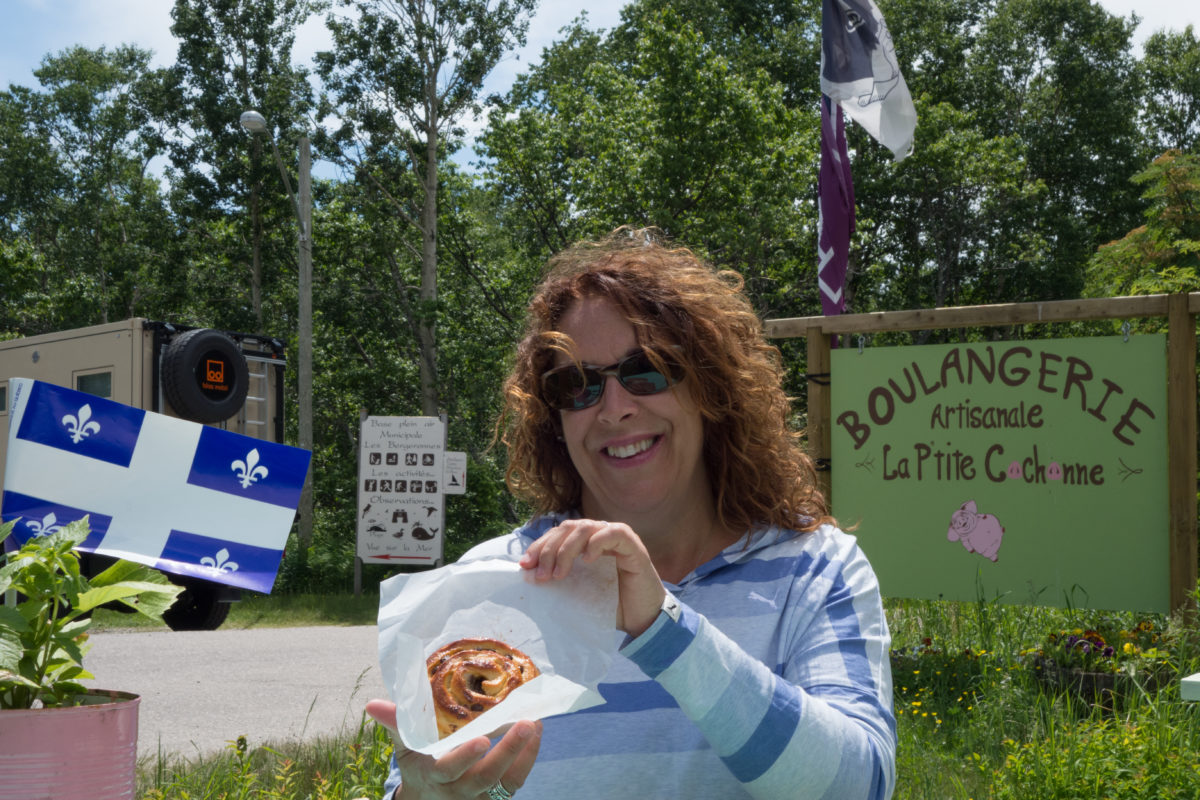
(671, 607)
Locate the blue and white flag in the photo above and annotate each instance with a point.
(182, 497)
(860, 73)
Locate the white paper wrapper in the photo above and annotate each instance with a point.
(567, 627)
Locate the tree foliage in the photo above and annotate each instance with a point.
(1162, 255)
(84, 221)
(234, 56)
(403, 73)
(1029, 181)
(1026, 140)
(653, 127)
(1170, 69)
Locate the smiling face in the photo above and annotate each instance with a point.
(640, 456)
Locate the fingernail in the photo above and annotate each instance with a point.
(524, 731)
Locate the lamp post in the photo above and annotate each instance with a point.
(255, 122)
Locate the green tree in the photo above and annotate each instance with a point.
(372, 357)
(31, 183)
(84, 220)
(780, 37)
(1026, 139)
(953, 223)
(936, 44)
(1060, 76)
(402, 75)
(1162, 255)
(1170, 69)
(653, 126)
(32, 174)
(236, 55)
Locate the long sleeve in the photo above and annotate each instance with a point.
(817, 725)
(392, 783)
(775, 683)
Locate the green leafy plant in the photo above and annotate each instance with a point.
(935, 685)
(43, 638)
(1141, 755)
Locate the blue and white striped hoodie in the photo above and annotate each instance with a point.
(774, 683)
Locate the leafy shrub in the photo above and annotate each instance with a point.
(1145, 756)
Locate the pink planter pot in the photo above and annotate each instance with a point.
(82, 751)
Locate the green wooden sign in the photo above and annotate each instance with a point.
(1032, 471)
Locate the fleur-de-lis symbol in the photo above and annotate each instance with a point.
(82, 425)
(47, 526)
(249, 470)
(221, 563)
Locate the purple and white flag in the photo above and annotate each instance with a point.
(860, 73)
(835, 210)
(179, 496)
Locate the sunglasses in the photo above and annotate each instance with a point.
(572, 388)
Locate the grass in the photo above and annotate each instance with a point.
(268, 611)
(974, 720)
(347, 768)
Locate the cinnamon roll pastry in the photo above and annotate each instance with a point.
(470, 676)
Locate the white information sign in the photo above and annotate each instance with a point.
(455, 475)
(401, 506)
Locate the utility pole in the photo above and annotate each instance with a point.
(305, 356)
(257, 123)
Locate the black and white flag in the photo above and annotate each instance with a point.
(859, 72)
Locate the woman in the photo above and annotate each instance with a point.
(645, 419)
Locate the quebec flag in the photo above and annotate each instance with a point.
(179, 496)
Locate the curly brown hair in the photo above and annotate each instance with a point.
(676, 303)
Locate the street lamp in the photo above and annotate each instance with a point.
(255, 122)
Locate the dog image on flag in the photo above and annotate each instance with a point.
(179, 496)
(859, 72)
(861, 77)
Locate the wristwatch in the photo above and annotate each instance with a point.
(670, 607)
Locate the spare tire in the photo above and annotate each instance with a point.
(204, 376)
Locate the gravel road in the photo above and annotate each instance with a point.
(201, 689)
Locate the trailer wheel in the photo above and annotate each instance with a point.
(204, 375)
(198, 607)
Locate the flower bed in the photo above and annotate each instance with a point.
(1104, 667)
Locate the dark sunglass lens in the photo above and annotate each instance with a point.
(569, 388)
(640, 376)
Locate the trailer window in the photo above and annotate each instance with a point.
(97, 383)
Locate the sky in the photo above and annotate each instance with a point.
(32, 29)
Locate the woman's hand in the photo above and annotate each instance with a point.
(468, 770)
(640, 590)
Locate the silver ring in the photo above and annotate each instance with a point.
(498, 792)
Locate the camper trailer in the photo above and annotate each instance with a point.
(230, 380)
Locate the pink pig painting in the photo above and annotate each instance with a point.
(979, 533)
